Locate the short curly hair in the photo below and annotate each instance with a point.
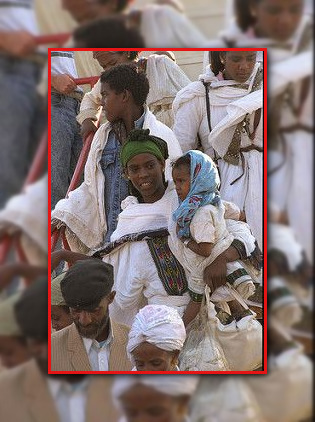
(127, 77)
(121, 4)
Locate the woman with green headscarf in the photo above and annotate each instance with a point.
(145, 270)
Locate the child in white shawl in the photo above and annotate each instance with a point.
(199, 233)
(156, 337)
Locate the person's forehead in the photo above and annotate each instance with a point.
(100, 304)
(149, 350)
(141, 159)
(181, 169)
(105, 87)
(105, 56)
(241, 53)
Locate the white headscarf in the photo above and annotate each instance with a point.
(174, 385)
(159, 325)
(282, 238)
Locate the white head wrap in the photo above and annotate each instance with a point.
(174, 385)
(159, 325)
(282, 238)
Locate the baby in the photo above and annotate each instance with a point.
(199, 233)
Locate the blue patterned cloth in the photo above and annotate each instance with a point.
(204, 185)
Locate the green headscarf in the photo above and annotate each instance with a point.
(140, 141)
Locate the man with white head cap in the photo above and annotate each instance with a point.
(156, 337)
(162, 398)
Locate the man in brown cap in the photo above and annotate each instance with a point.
(93, 342)
(28, 394)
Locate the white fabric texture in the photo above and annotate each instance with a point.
(70, 401)
(83, 211)
(296, 155)
(163, 26)
(285, 393)
(137, 281)
(202, 350)
(165, 79)
(158, 325)
(225, 401)
(27, 212)
(190, 118)
(245, 335)
(287, 67)
(228, 107)
(175, 385)
(286, 309)
(17, 17)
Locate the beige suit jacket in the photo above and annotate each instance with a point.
(68, 352)
(25, 397)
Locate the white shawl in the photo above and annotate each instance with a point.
(83, 212)
(27, 212)
(163, 26)
(165, 78)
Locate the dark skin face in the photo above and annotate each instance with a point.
(114, 104)
(107, 59)
(145, 172)
(149, 357)
(94, 323)
(144, 404)
(277, 19)
(13, 351)
(120, 106)
(181, 177)
(59, 318)
(238, 65)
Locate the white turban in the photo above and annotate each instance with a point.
(159, 325)
(172, 385)
(282, 238)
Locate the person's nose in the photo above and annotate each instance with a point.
(143, 173)
(85, 318)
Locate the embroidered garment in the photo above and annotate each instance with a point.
(139, 278)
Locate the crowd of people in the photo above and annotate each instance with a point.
(165, 228)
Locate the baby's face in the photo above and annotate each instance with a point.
(181, 177)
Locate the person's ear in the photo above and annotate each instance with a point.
(126, 96)
(125, 173)
(174, 361)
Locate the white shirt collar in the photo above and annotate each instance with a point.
(57, 385)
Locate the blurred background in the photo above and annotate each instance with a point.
(285, 394)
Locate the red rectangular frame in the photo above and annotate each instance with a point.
(264, 371)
